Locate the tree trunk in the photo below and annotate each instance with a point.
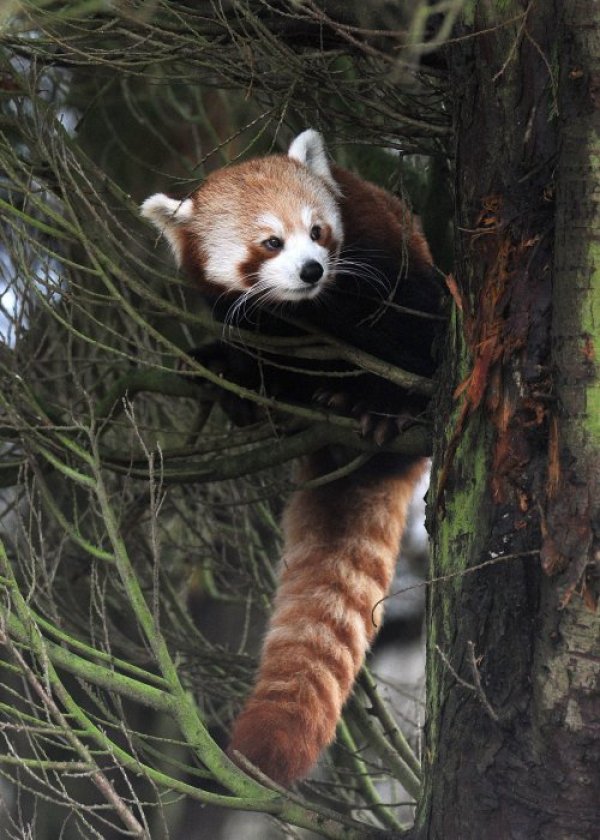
(513, 741)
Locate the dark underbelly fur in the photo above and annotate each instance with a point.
(356, 312)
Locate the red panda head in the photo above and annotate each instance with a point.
(269, 227)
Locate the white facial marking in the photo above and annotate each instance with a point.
(307, 217)
(281, 274)
(225, 252)
(272, 224)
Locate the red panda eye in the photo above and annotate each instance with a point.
(315, 233)
(273, 243)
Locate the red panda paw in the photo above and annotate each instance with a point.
(381, 428)
(338, 400)
(376, 426)
(277, 741)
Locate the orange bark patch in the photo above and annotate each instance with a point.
(589, 351)
(553, 459)
(496, 330)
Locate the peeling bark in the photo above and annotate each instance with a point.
(513, 734)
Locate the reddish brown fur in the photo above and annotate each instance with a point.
(192, 258)
(368, 212)
(371, 213)
(342, 539)
(257, 256)
(326, 238)
(271, 182)
(338, 538)
(276, 185)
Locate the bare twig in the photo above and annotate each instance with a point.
(476, 686)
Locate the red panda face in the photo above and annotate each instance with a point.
(290, 245)
(269, 228)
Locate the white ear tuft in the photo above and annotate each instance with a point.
(168, 214)
(308, 148)
(165, 212)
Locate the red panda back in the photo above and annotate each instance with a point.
(370, 212)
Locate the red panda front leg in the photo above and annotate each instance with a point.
(341, 545)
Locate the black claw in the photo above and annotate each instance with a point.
(338, 401)
(322, 396)
(358, 409)
(382, 432)
(403, 422)
(366, 425)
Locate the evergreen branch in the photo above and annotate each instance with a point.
(377, 740)
(273, 453)
(185, 710)
(92, 672)
(391, 730)
(364, 781)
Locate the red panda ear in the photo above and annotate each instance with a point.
(309, 149)
(169, 215)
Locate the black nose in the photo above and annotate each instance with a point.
(311, 272)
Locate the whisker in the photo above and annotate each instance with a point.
(362, 273)
(376, 279)
(363, 249)
(248, 304)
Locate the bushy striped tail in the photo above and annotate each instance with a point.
(341, 544)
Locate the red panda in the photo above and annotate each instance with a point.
(293, 232)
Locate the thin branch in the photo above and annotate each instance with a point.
(475, 687)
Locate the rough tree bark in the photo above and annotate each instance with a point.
(513, 736)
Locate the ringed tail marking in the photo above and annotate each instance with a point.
(341, 545)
